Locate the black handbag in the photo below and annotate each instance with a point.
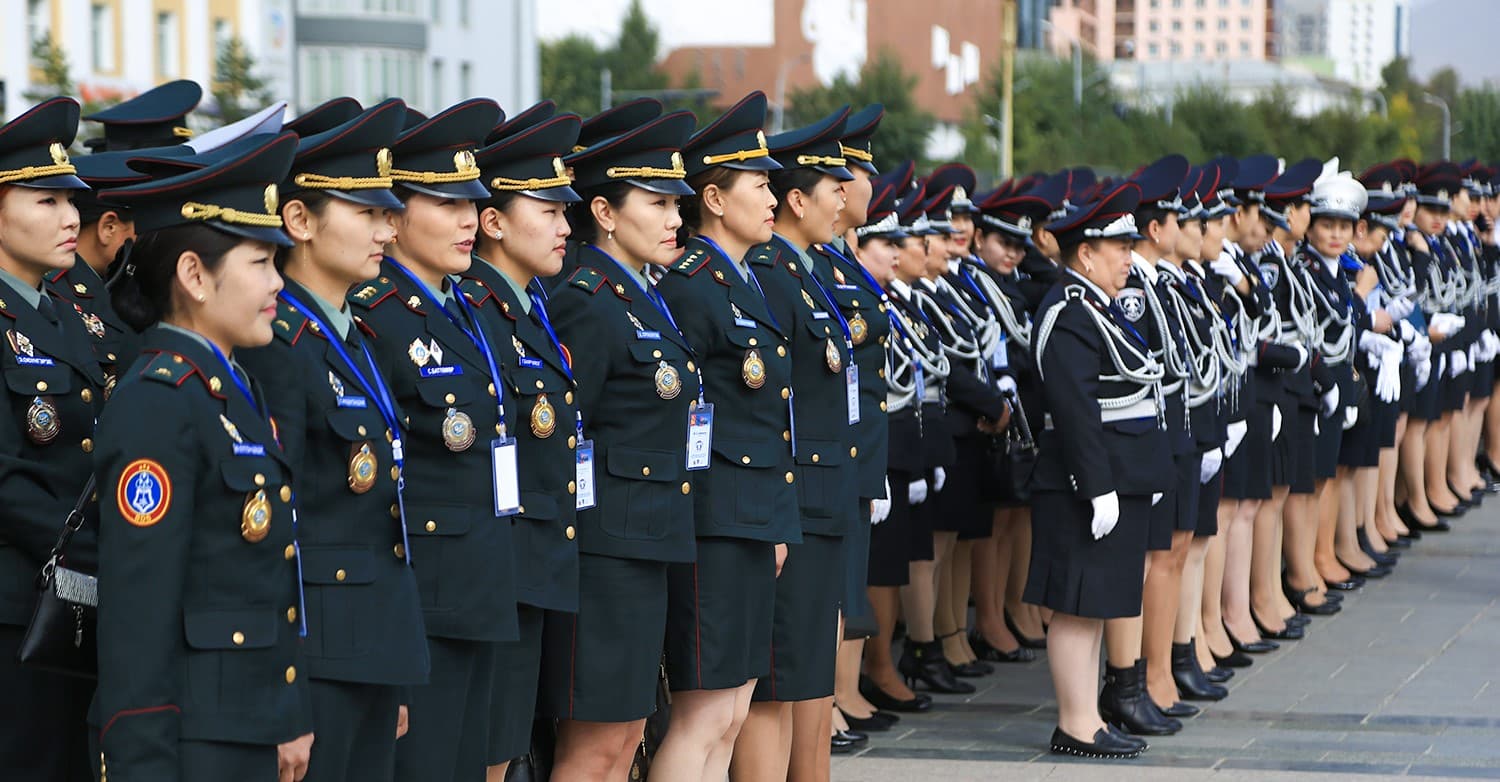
(62, 636)
(1013, 457)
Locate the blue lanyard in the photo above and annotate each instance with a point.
(540, 308)
(475, 335)
(832, 306)
(651, 295)
(234, 375)
(750, 277)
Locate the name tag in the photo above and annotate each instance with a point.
(700, 436)
(648, 335)
(847, 287)
(851, 392)
(820, 315)
(745, 323)
(249, 449)
(357, 402)
(503, 468)
(448, 371)
(583, 477)
(531, 362)
(35, 361)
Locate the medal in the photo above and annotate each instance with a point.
(109, 385)
(753, 370)
(808, 299)
(91, 322)
(834, 357)
(42, 424)
(458, 430)
(639, 326)
(231, 429)
(20, 343)
(362, 465)
(336, 384)
(668, 382)
(418, 353)
(255, 520)
(858, 329)
(520, 348)
(543, 418)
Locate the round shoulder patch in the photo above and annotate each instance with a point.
(145, 492)
(1132, 302)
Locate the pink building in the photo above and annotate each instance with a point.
(1157, 30)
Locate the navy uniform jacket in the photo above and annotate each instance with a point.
(826, 474)
(364, 620)
(920, 437)
(625, 374)
(1040, 274)
(50, 375)
(1197, 315)
(115, 344)
(461, 552)
(1338, 295)
(970, 396)
(198, 595)
(545, 425)
(1017, 349)
(725, 318)
(865, 307)
(1162, 333)
(1081, 454)
(1298, 387)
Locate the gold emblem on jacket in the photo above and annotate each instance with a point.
(543, 418)
(42, 423)
(858, 329)
(458, 430)
(362, 468)
(834, 357)
(754, 369)
(255, 519)
(668, 381)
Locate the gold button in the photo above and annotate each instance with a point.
(449, 398)
(789, 478)
(390, 436)
(395, 473)
(395, 511)
(291, 551)
(781, 350)
(691, 368)
(744, 460)
(238, 638)
(815, 458)
(572, 441)
(340, 575)
(754, 342)
(853, 452)
(41, 385)
(214, 384)
(87, 395)
(645, 471)
(568, 397)
(177, 359)
(882, 341)
(291, 674)
(572, 487)
(291, 615)
(110, 356)
(286, 494)
(362, 431)
(880, 373)
(432, 526)
(87, 445)
(399, 550)
(686, 487)
(521, 509)
(854, 302)
(491, 389)
(571, 533)
(882, 308)
(786, 393)
(786, 434)
(540, 385)
(882, 405)
(656, 354)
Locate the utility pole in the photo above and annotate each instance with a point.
(1007, 87)
(606, 89)
(1447, 122)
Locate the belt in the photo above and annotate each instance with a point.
(1146, 408)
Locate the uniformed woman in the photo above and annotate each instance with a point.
(719, 611)
(522, 230)
(55, 390)
(201, 616)
(334, 408)
(646, 430)
(460, 482)
(1103, 458)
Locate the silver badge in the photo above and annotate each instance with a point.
(1132, 302)
(1271, 272)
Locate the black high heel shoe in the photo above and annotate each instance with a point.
(884, 702)
(1299, 600)
(1026, 642)
(1474, 497)
(1379, 571)
(874, 723)
(1192, 684)
(985, 651)
(1259, 646)
(1414, 527)
(1388, 558)
(924, 662)
(1287, 633)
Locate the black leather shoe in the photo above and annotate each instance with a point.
(859, 739)
(1259, 646)
(1192, 684)
(1105, 745)
(1126, 737)
(1124, 702)
(1386, 557)
(1287, 633)
(983, 649)
(1181, 710)
(1299, 599)
(1218, 675)
(1299, 620)
(1452, 513)
(924, 662)
(1354, 582)
(1442, 525)
(880, 700)
(1028, 643)
(1399, 543)
(1235, 659)
(870, 724)
(972, 670)
(841, 745)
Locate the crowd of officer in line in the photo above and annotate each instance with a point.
(427, 445)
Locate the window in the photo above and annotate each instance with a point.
(1244, 48)
(1245, 23)
(437, 83)
(1154, 49)
(1223, 25)
(1175, 48)
(166, 44)
(1198, 49)
(368, 74)
(1155, 26)
(437, 11)
(1198, 25)
(1176, 25)
(463, 12)
(1221, 49)
(465, 81)
(38, 19)
(102, 36)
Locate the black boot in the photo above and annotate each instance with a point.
(924, 662)
(1123, 702)
(1191, 682)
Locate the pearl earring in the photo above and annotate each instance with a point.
(202, 298)
(499, 235)
(611, 236)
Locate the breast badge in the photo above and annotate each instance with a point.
(458, 430)
(255, 519)
(668, 381)
(362, 468)
(753, 370)
(543, 418)
(42, 423)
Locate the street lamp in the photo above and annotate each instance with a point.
(1447, 121)
(1380, 99)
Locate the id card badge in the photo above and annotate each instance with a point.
(503, 467)
(583, 475)
(700, 436)
(851, 392)
(1001, 359)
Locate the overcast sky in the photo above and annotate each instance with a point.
(1458, 33)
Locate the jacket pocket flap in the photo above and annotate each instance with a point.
(431, 518)
(651, 351)
(538, 505)
(823, 453)
(247, 628)
(1133, 426)
(338, 565)
(644, 465)
(250, 473)
(352, 424)
(749, 453)
(444, 391)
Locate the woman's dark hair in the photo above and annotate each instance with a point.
(691, 207)
(581, 214)
(315, 201)
(1148, 214)
(143, 296)
(785, 180)
(499, 201)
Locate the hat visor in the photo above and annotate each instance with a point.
(380, 197)
(1337, 214)
(274, 236)
(867, 166)
(1276, 220)
(766, 163)
(840, 173)
(473, 190)
(563, 194)
(1232, 200)
(59, 182)
(663, 186)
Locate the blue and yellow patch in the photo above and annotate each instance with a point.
(144, 493)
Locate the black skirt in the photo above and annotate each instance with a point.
(960, 506)
(1326, 445)
(890, 540)
(1293, 461)
(517, 668)
(1186, 491)
(1484, 380)
(719, 613)
(804, 633)
(1075, 574)
(1208, 506)
(1247, 474)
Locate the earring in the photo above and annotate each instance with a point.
(499, 235)
(611, 236)
(718, 213)
(202, 298)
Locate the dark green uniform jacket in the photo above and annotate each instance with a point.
(199, 611)
(115, 344)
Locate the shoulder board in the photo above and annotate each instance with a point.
(289, 323)
(691, 263)
(476, 290)
(791, 261)
(372, 292)
(5, 310)
(168, 368)
(586, 279)
(762, 255)
(57, 275)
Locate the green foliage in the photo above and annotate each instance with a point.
(1478, 110)
(570, 74)
(571, 66)
(52, 62)
(904, 130)
(237, 89)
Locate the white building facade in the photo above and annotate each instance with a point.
(1352, 40)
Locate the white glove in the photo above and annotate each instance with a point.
(1489, 345)
(916, 491)
(1212, 461)
(1007, 384)
(1106, 514)
(1275, 422)
(1330, 401)
(1236, 435)
(1408, 331)
(1225, 267)
(939, 478)
(1376, 346)
(1458, 363)
(1388, 376)
(1420, 349)
(1302, 356)
(1351, 417)
(1423, 372)
(1447, 324)
(1398, 309)
(880, 508)
(1156, 499)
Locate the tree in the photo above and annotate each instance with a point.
(571, 67)
(632, 60)
(904, 130)
(237, 90)
(570, 74)
(1477, 110)
(52, 62)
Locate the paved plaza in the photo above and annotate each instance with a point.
(1404, 682)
